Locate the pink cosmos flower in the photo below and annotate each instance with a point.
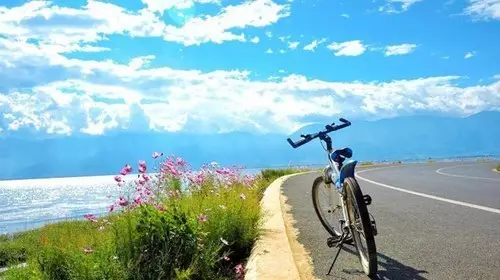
(181, 161)
(91, 218)
(122, 201)
(160, 208)
(202, 218)
(157, 155)
(118, 179)
(111, 208)
(142, 163)
(239, 271)
(142, 168)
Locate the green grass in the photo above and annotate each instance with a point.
(497, 168)
(146, 243)
(366, 163)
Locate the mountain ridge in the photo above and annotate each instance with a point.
(387, 139)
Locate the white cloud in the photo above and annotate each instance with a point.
(269, 51)
(345, 15)
(269, 34)
(399, 49)
(349, 48)
(397, 6)
(198, 30)
(314, 44)
(282, 51)
(163, 5)
(41, 20)
(483, 9)
(255, 40)
(469, 55)
(496, 77)
(293, 45)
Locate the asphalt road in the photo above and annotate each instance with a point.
(419, 236)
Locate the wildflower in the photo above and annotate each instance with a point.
(239, 270)
(126, 169)
(142, 163)
(101, 228)
(88, 250)
(118, 179)
(160, 208)
(157, 155)
(180, 162)
(202, 218)
(138, 199)
(226, 258)
(224, 241)
(111, 208)
(242, 196)
(122, 201)
(91, 218)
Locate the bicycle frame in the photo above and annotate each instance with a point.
(336, 176)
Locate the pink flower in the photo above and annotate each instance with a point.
(118, 179)
(122, 201)
(138, 199)
(157, 155)
(88, 250)
(91, 218)
(202, 218)
(111, 208)
(126, 169)
(146, 177)
(226, 258)
(142, 168)
(160, 208)
(180, 162)
(239, 270)
(142, 163)
(242, 196)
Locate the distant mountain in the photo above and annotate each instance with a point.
(387, 139)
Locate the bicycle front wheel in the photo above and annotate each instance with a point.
(361, 227)
(328, 206)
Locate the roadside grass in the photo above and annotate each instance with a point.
(158, 230)
(497, 168)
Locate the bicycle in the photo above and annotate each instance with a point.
(355, 219)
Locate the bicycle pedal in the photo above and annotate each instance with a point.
(367, 199)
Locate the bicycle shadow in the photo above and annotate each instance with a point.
(389, 268)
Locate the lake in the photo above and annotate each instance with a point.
(28, 204)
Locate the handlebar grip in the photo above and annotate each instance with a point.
(344, 120)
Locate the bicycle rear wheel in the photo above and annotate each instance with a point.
(361, 227)
(328, 206)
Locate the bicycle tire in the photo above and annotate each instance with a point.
(329, 228)
(354, 194)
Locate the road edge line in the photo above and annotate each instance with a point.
(272, 255)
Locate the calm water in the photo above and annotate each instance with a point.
(27, 204)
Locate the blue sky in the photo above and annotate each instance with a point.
(70, 67)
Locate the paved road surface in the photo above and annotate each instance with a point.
(419, 237)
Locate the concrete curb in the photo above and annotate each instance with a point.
(272, 256)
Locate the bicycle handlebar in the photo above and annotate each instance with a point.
(328, 128)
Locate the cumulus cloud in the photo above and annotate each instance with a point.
(198, 30)
(483, 9)
(162, 5)
(293, 45)
(469, 55)
(349, 48)
(399, 49)
(397, 6)
(314, 44)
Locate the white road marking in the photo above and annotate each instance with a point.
(484, 208)
(439, 171)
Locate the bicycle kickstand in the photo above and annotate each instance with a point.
(336, 242)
